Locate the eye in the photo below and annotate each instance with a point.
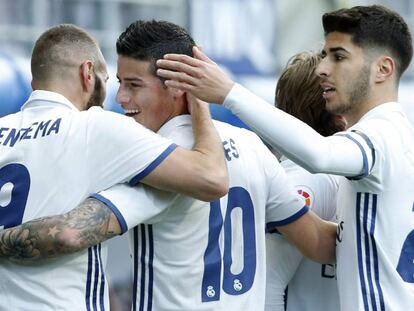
(339, 57)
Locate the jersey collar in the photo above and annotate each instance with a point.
(39, 97)
(380, 109)
(174, 122)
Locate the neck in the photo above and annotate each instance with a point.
(64, 89)
(377, 99)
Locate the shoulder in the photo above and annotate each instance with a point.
(101, 120)
(382, 123)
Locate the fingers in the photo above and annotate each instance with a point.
(181, 58)
(194, 103)
(176, 76)
(198, 54)
(179, 85)
(178, 66)
(191, 99)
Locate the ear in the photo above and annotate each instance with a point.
(385, 68)
(86, 75)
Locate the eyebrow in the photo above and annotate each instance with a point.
(337, 49)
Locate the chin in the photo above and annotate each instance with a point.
(136, 118)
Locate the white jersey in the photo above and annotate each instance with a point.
(375, 238)
(375, 206)
(311, 286)
(211, 256)
(52, 157)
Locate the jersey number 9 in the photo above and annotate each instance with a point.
(14, 190)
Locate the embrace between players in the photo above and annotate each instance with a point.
(196, 215)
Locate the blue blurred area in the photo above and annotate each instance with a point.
(14, 85)
(15, 89)
(222, 114)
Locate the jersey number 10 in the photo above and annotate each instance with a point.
(233, 284)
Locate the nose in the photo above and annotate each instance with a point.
(122, 96)
(322, 69)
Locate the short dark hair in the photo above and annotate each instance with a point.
(151, 40)
(374, 26)
(298, 92)
(59, 47)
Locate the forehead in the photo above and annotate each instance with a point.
(341, 41)
(130, 66)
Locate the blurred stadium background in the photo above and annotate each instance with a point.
(252, 39)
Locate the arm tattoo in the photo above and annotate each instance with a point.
(48, 237)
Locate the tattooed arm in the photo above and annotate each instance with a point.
(88, 224)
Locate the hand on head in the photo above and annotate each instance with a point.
(194, 104)
(199, 76)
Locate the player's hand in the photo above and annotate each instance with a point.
(195, 105)
(199, 75)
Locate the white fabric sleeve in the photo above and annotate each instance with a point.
(283, 205)
(135, 205)
(346, 155)
(282, 261)
(320, 192)
(121, 150)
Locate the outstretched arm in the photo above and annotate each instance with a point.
(203, 78)
(90, 223)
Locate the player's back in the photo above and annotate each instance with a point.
(211, 256)
(49, 162)
(313, 286)
(41, 172)
(310, 285)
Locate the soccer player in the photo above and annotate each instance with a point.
(193, 254)
(312, 286)
(55, 152)
(367, 49)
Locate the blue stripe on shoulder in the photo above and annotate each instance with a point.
(364, 159)
(114, 209)
(369, 143)
(270, 225)
(152, 165)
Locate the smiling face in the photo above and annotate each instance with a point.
(346, 75)
(143, 96)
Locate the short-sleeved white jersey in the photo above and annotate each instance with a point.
(376, 216)
(211, 256)
(311, 286)
(375, 240)
(52, 157)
